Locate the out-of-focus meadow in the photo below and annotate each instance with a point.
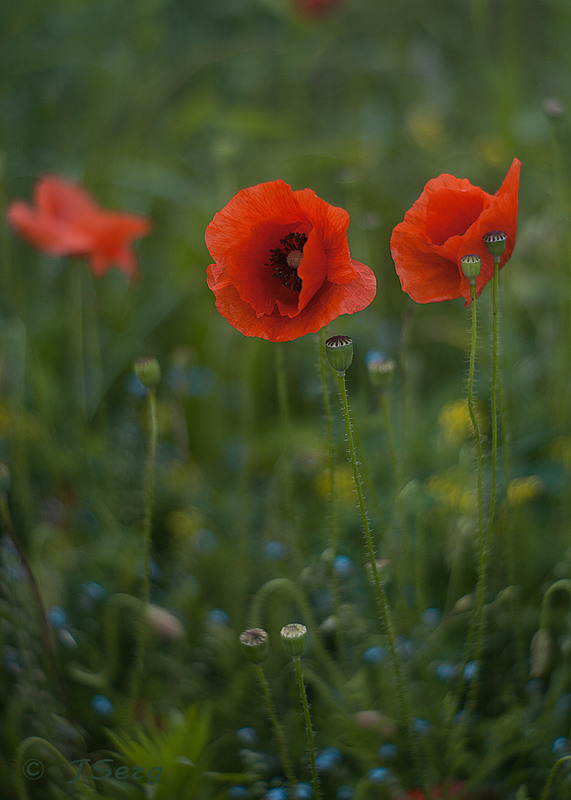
(167, 108)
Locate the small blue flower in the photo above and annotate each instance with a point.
(445, 670)
(388, 751)
(206, 540)
(560, 746)
(134, 385)
(345, 792)
(247, 736)
(276, 794)
(275, 551)
(470, 670)
(378, 774)
(57, 617)
(431, 617)
(563, 703)
(218, 617)
(238, 793)
(373, 355)
(94, 591)
(102, 705)
(374, 655)
(343, 566)
(421, 725)
(329, 758)
(303, 791)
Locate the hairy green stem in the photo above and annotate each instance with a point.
(308, 727)
(278, 730)
(381, 598)
(333, 532)
(142, 627)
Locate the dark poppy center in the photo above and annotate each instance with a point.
(285, 259)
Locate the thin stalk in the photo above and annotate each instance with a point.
(76, 341)
(551, 778)
(471, 412)
(142, 628)
(476, 627)
(381, 598)
(278, 730)
(333, 532)
(478, 614)
(308, 727)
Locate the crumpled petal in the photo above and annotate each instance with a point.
(256, 302)
(447, 222)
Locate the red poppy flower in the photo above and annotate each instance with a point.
(315, 8)
(446, 223)
(66, 221)
(456, 790)
(282, 264)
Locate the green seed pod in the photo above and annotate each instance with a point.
(339, 351)
(495, 242)
(542, 654)
(294, 637)
(148, 371)
(255, 645)
(381, 371)
(471, 265)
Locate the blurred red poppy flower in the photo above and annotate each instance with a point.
(282, 264)
(456, 790)
(67, 221)
(446, 223)
(315, 8)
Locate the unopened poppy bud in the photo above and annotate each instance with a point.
(255, 645)
(495, 242)
(471, 266)
(294, 637)
(148, 371)
(339, 351)
(381, 371)
(542, 654)
(552, 108)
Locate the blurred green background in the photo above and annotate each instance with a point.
(167, 109)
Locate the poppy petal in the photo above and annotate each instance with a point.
(446, 223)
(282, 264)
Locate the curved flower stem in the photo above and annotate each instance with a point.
(551, 778)
(142, 627)
(381, 598)
(291, 588)
(278, 730)
(20, 766)
(308, 727)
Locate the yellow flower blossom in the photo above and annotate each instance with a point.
(523, 490)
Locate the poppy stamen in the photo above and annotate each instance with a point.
(286, 259)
